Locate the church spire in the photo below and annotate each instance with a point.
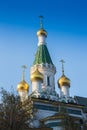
(44, 65)
(42, 55)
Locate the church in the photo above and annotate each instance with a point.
(50, 105)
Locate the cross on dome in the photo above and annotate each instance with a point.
(41, 21)
(23, 71)
(62, 61)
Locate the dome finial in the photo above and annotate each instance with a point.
(62, 61)
(41, 31)
(23, 71)
(41, 21)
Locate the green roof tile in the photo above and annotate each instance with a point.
(42, 55)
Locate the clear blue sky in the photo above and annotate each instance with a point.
(66, 24)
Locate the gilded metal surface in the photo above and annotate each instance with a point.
(36, 76)
(23, 86)
(64, 81)
(41, 32)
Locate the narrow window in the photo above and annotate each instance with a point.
(48, 81)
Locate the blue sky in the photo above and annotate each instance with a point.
(66, 24)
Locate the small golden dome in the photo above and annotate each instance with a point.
(36, 76)
(23, 86)
(63, 81)
(41, 32)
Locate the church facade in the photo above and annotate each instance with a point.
(51, 106)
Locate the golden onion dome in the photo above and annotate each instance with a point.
(36, 76)
(23, 86)
(63, 81)
(41, 32)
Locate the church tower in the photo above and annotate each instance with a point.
(64, 83)
(23, 87)
(44, 64)
(36, 79)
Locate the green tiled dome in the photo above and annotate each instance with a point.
(42, 55)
